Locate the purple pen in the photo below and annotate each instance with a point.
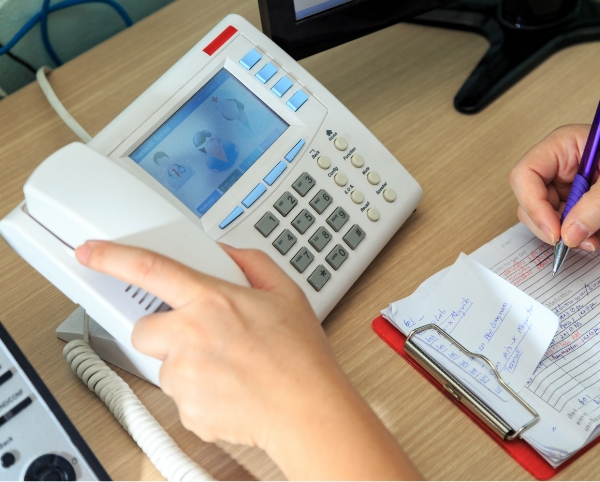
(581, 184)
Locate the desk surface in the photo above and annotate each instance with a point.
(400, 83)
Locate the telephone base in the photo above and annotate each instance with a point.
(105, 346)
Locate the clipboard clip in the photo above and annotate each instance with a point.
(460, 392)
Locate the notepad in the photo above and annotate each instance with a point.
(562, 383)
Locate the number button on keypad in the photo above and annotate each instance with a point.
(303, 184)
(337, 256)
(267, 224)
(285, 203)
(337, 219)
(354, 237)
(285, 241)
(320, 239)
(303, 221)
(320, 202)
(319, 277)
(302, 259)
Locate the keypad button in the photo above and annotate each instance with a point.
(303, 184)
(282, 86)
(354, 237)
(324, 162)
(357, 160)
(303, 221)
(320, 239)
(320, 202)
(275, 173)
(389, 195)
(297, 100)
(267, 224)
(341, 144)
(265, 74)
(337, 219)
(236, 213)
(357, 197)
(302, 259)
(285, 203)
(289, 157)
(319, 277)
(341, 179)
(337, 256)
(250, 59)
(256, 193)
(285, 241)
(374, 178)
(373, 214)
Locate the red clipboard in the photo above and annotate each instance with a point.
(518, 449)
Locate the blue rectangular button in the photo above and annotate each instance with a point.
(282, 86)
(297, 100)
(250, 59)
(257, 192)
(289, 157)
(265, 74)
(236, 213)
(275, 173)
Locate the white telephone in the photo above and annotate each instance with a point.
(235, 143)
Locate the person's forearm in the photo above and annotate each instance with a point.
(334, 435)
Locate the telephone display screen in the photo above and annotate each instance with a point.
(210, 142)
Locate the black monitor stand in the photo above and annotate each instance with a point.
(522, 33)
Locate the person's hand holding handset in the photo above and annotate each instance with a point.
(253, 366)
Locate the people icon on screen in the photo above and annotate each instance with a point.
(177, 174)
(220, 154)
(231, 109)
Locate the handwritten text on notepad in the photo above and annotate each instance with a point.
(487, 315)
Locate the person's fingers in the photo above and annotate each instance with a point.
(262, 272)
(544, 235)
(583, 220)
(153, 336)
(171, 281)
(543, 177)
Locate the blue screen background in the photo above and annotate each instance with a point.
(210, 142)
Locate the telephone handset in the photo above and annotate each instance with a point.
(77, 195)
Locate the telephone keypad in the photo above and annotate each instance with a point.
(321, 201)
(337, 256)
(320, 239)
(319, 277)
(303, 221)
(285, 241)
(267, 224)
(302, 259)
(285, 203)
(303, 184)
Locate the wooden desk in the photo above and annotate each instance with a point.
(400, 83)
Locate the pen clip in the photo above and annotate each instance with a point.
(461, 392)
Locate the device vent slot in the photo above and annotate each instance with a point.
(151, 303)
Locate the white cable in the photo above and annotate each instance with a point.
(3, 93)
(57, 105)
(162, 450)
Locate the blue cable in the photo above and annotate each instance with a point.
(44, 31)
(60, 6)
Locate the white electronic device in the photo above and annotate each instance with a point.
(235, 143)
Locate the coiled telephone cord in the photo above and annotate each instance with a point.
(162, 450)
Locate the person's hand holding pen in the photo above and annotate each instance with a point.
(542, 180)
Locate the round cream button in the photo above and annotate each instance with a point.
(357, 197)
(389, 195)
(373, 177)
(341, 144)
(324, 162)
(373, 214)
(341, 179)
(357, 160)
